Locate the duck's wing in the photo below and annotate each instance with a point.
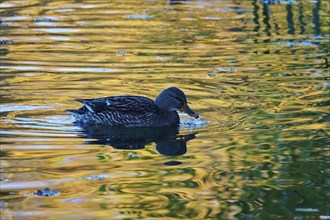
(129, 103)
(119, 103)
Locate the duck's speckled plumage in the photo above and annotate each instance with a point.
(134, 110)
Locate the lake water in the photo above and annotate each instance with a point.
(256, 71)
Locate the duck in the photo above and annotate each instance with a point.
(134, 111)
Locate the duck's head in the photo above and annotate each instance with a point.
(173, 99)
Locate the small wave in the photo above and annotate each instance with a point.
(188, 123)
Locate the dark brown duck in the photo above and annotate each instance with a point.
(133, 111)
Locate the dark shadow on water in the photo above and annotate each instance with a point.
(316, 18)
(168, 140)
(289, 18)
(301, 8)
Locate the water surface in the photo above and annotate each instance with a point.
(257, 71)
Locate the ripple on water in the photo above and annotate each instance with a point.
(187, 123)
(13, 107)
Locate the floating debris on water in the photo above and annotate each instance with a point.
(6, 42)
(46, 192)
(5, 180)
(123, 53)
(96, 177)
(293, 44)
(138, 16)
(46, 19)
(222, 70)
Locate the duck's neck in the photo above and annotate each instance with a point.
(170, 117)
(161, 105)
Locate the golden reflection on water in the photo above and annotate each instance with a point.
(256, 72)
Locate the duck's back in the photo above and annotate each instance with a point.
(123, 110)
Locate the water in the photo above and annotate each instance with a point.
(255, 70)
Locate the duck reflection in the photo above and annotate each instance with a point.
(168, 140)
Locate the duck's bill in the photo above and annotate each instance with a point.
(188, 110)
